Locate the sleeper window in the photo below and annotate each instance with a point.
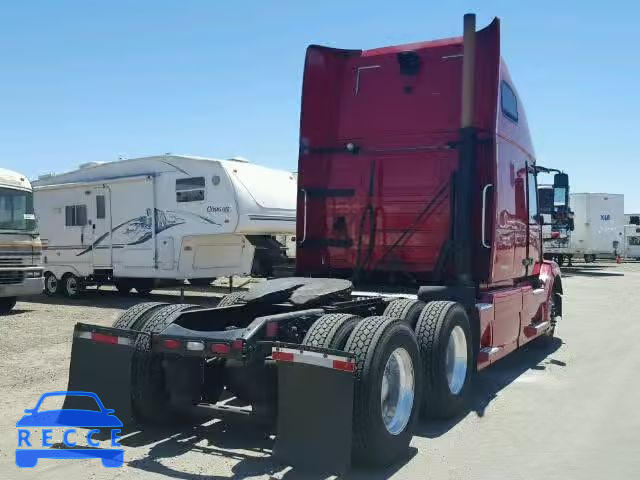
(190, 189)
(509, 102)
(100, 206)
(75, 215)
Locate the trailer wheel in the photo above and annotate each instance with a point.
(7, 304)
(233, 298)
(136, 314)
(50, 284)
(149, 396)
(405, 309)
(388, 384)
(201, 282)
(331, 331)
(71, 285)
(123, 288)
(444, 336)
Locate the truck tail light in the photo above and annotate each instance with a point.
(172, 344)
(220, 348)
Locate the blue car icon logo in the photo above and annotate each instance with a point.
(67, 419)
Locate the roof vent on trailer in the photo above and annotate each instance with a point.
(238, 159)
(44, 176)
(89, 164)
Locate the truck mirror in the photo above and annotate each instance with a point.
(561, 180)
(560, 189)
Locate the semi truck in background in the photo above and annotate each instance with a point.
(144, 222)
(632, 241)
(557, 216)
(419, 262)
(20, 247)
(599, 225)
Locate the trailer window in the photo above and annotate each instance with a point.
(532, 197)
(75, 215)
(634, 241)
(190, 189)
(509, 102)
(100, 206)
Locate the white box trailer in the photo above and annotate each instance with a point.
(599, 225)
(143, 222)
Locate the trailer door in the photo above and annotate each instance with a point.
(100, 234)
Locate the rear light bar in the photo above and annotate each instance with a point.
(104, 338)
(291, 355)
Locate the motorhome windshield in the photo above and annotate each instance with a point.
(16, 210)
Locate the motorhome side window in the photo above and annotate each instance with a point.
(100, 206)
(75, 215)
(190, 189)
(509, 102)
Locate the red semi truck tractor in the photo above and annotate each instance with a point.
(419, 262)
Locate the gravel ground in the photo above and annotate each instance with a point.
(568, 411)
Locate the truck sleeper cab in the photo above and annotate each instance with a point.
(419, 262)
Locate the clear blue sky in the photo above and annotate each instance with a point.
(90, 80)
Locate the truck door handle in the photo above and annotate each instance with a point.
(484, 212)
(304, 216)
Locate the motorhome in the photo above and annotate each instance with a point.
(599, 225)
(20, 247)
(162, 219)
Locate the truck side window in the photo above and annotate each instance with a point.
(75, 215)
(190, 189)
(508, 101)
(100, 207)
(532, 195)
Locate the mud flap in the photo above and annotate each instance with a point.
(101, 360)
(315, 409)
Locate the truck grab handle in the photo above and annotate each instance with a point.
(304, 216)
(484, 211)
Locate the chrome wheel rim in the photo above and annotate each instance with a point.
(456, 360)
(52, 283)
(72, 285)
(397, 393)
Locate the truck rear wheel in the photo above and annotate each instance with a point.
(331, 331)
(233, 298)
(149, 395)
(405, 309)
(136, 314)
(388, 383)
(444, 336)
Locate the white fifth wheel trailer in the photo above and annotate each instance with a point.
(599, 225)
(143, 222)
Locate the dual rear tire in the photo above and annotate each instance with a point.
(418, 360)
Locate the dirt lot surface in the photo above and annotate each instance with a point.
(569, 411)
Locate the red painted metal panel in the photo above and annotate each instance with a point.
(397, 217)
